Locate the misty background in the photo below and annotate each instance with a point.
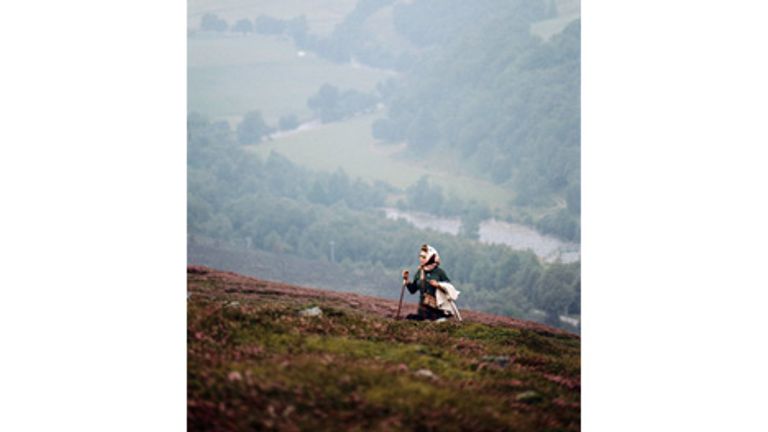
(328, 139)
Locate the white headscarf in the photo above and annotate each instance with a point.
(431, 252)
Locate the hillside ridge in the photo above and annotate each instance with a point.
(250, 286)
(270, 356)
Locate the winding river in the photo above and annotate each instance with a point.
(516, 236)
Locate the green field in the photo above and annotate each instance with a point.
(350, 146)
(322, 15)
(231, 75)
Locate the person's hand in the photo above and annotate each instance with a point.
(405, 276)
(436, 284)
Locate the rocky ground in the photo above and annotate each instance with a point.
(270, 356)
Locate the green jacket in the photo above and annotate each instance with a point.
(437, 274)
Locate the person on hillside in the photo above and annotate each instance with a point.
(437, 294)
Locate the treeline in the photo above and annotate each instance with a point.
(349, 39)
(276, 206)
(503, 101)
(422, 196)
(429, 23)
(296, 27)
(479, 87)
(328, 104)
(331, 104)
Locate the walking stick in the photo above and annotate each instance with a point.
(402, 291)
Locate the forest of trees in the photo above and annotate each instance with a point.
(276, 206)
(479, 86)
(503, 101)
(475, 85)
(331, 104)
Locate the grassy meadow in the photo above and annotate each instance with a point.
(233, 74)
(349, 145)
(230, 75)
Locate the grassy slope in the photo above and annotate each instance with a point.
(230, 75)
(294, 270)
(255, 364)
(349, 145)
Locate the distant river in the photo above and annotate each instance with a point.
(516, 236)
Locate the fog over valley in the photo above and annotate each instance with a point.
(328, 140)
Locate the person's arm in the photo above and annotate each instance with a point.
(413, 286)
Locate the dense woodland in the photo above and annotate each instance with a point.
(503, 102)
(475, 84)
(276, 206)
